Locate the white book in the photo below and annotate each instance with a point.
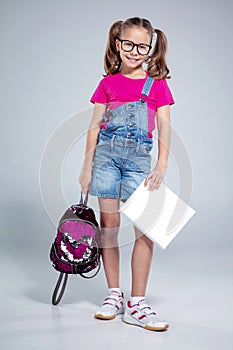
(159, 214)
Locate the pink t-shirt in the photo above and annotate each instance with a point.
(117, 89)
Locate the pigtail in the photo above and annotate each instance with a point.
(157, 67)
(112, 60)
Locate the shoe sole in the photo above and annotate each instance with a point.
(149, 328)
(102, 317)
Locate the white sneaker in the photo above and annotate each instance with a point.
(142, 315)
(111, 307)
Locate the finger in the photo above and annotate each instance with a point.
(84, 190)
(146, 180)
(154, 183)
(151, 184)
(150, 176)
(158, 182)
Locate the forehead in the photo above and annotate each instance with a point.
(136, 34)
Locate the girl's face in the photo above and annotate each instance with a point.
(133, 59)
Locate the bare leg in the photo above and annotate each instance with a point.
(141, 262)
(110, 222)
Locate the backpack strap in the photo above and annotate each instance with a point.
(147, 86)
(85, 200)
(87, 277)
(57, 295)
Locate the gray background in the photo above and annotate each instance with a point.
(51, 61)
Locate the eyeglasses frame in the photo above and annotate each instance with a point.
(149, 46)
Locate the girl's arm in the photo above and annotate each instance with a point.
(164, 135)
(92, 136)
(155, 177)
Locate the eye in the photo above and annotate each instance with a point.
(143, 47)
(128, 44)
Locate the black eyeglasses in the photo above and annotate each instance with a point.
(127, 46)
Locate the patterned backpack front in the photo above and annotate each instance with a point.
(76, 248)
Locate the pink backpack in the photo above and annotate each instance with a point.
(76, 248)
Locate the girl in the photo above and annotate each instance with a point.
(117, 156)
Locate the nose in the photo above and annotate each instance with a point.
(134, 51)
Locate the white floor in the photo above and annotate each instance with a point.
(191, 290)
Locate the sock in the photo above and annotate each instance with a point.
(118, 290)
(135, 300)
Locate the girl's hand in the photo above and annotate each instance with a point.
(85, 181)
(155, 177)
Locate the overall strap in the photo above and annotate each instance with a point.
(147, 86)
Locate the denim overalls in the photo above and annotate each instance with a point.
(122, 156)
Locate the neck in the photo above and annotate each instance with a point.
(133, 73)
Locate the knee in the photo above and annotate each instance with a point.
(145, 241)
(110, 221)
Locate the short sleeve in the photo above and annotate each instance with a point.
(100, 95)
(164, 96)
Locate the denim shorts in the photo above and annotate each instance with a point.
(119, 165)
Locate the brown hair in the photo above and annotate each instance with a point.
(156, 62)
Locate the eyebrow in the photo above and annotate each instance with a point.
(134, 42)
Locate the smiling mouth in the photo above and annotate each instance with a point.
(132, 59)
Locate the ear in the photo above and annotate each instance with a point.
(118, 45)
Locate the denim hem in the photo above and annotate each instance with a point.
(110, 196)
(103, 195)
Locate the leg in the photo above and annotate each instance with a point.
(139, 313)
(110, 222)
(141, 262)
